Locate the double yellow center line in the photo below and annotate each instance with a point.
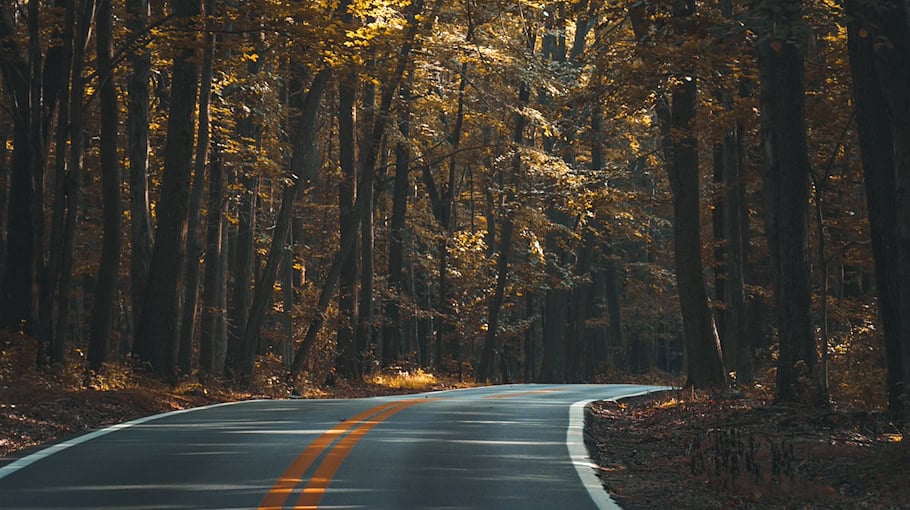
(333, 447)
(349, 432)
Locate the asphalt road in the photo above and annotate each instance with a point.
(500, 447)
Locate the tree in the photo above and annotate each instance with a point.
(677, 123)
(878, 42)
(137, 136)
(786, 163)
(108, 271)
(156, 335)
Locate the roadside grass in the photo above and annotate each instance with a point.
(405, 380)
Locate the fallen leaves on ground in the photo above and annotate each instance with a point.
(684, 450)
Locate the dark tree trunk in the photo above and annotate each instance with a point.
(19, 290)
(4, 190)
(156, 335)
(73, 178)
(193, 240)
(391, 336)
(533, 337)
(347, 362)
(705, 367)
(450, 223)
(783, 125)
(720, 252)
(735, 233)
(213, 294)
(283, 347)
(108, 271)
(554, 346)
(364, 330)
(485, 367)
(893, 63)
(243, 259)
(51, 278)
(244, 256)
(612, 293)
(137, 135)
(876, 136)
(579, 364)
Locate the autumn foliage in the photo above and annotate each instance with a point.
(284, 195)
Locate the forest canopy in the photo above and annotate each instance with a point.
(539, 191)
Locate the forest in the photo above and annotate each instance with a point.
(501, 191)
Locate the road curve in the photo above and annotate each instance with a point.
(498, 447)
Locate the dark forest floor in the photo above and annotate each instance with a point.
(680, 450)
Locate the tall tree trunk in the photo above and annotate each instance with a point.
(552, 366)
(244, 258)
(4, 191)
(485, 367)
(73, 178)
(720, 251)
(239, 311)
(893, 62)
(364, 331)
(877, 143)
(283, 347)
(51, 278)
(213, 311)
(137, 135)
(783, 125)
(19, 289)
(612, 293)
(347, 362)
(705, 367)
(108, 271)
(193, 240)
(735, 235)
(391, 336)
(579, 364)
(156, 335)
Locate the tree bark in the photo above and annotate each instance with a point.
(137, 135)
(893, 62)
(213, 294)
(73, 177)
(156, 335)
(4, 191)
(108, 271)
(51, 277)
(876, 137)
(391, 336)
(347, 364)
(705, 367)
(193, 240)
(734, 233)
(19, 290)
(363, 336)
(786, 162)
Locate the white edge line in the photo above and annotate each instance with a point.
(23, 462)
(578, 452)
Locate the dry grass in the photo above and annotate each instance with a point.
(416, 380)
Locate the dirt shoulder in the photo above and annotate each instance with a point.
(679, 450)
